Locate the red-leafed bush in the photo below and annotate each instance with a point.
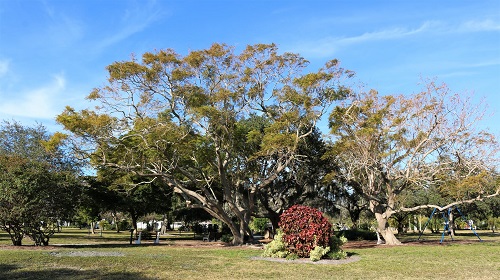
(305, 228)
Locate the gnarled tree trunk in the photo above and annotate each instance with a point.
(384, 230)
(382, 214)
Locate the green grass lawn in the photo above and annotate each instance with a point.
(111, 257)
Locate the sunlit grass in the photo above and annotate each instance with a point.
(111, 257)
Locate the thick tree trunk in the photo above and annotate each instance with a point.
(16, 237)
(385, 231)
(245, 228)
(217, 212)
(240, 232)
(382, 215)
(238, 238)
(217, 209)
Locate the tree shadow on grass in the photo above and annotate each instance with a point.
(9, 271)
(109, 245)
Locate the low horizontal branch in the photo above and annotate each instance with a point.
(442, 208)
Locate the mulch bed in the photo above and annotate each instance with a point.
(349, 259)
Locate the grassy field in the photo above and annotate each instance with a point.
(75, 254)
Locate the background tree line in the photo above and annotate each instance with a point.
(238, 135)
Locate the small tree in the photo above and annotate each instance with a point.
(38, 183)
(304, 229)
(493, 223)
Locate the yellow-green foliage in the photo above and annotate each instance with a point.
(494, 223)
(54, 142)
(336, 255)
(277, 247)
(318, 252)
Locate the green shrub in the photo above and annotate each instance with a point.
(318, 252)
(336, 251)
(227, 238)
(336, 255)
(337, 242)
(259, 224)
(124, 225)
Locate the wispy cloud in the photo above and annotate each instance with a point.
(135, 20)
(328, 46)
(394, 33)
(57, 29)
(38, 103)
(479, 26)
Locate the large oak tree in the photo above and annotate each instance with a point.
(187, 120)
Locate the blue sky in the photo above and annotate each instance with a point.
(53, 53)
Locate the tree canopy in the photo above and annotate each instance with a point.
(236, 134)
(389, 144)
(38, 182)
(214, 125)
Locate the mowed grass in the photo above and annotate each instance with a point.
(111, 257)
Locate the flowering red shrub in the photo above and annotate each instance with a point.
(305, 228)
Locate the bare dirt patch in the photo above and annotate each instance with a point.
(86, 254)
(365, 244)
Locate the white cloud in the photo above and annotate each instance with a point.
(122, 34)
(38, 103)
(479, 26)
(328, 46)
(394, 33)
